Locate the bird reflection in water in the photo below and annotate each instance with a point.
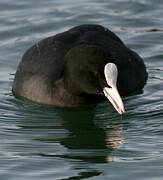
(90, 141)
(114, 137)
(91, 137)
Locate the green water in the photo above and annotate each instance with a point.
(93, 142)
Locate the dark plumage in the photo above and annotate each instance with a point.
(68, 69)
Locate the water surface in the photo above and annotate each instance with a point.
(93, 142)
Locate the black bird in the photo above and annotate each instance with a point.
(79, 66)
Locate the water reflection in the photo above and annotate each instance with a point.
(87, 140)
(79, 137)
(76, 130)
(84, 134)
(114, 136)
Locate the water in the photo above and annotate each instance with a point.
(94, 142)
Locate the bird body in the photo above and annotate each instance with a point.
(67, 69)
